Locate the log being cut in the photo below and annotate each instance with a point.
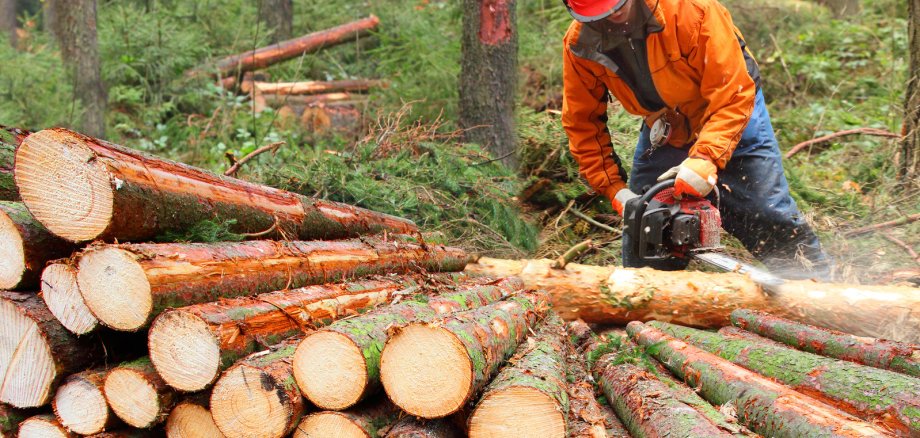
(25, 247)
(125, 286)
(431, 369)
(615, 295)
(339, 365)
(80, 404)
(62, 296)
(83, 189)
(138, 395)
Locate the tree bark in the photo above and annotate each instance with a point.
(614, 295)
(191, 418)
(762, 405)
(338, 366)
(737, 333)
(125, 286)
(138, 395)
(310, 87)
(126, 195)
(529, 396)
(279, 18)
(27, 246)
(80, 403)
(909, 171)
(258, 396)
(488, 72)
(8, 20)
(411, 427)
(43, 426)
(36, 351)
(366, 420)
(129, 433)
(880, 353)
(431, 369)
(261, 58)
(75, 29)
(587, 417)
(879, 396)
(8, 189)
(61, 294)
(191, 345)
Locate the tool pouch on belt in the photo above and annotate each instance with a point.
(668, 127)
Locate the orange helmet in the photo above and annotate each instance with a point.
(587, 11)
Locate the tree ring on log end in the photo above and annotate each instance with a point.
(426, 371)
(41, 427)
(518, 411)
(27, 368)
(115, 288)
(12, 253)
(132, 397)
(184, 351)
(62, 296)
(63, 184)
(81, 407)
(191, 420)
(330, 370)
(247, 402)
(327, 424)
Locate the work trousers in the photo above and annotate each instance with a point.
(756, 206)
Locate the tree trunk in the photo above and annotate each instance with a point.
(80, 403)
(9, 20)
(191, 418)
(10, 418)
(366, 420)
(126, 195)
(909, 172)
(880, 353)
(614, 295)
(615, 428)
(36, 351)
(191, 345)
(138, 395)
(411, 427)
(258, 396)
(764, 406)
(338, 366)
(310, 87)
(737, 333)
(125, 286)
(431, 369)
(43, 426)
(261, 58)
(26, 246)
(330, 100)
(62, 296)
(879, 396)
(529, 396)
(488, 72)
(279, 18)
(75, 28)
(587, 418)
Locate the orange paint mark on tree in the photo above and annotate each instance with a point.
(495, 22)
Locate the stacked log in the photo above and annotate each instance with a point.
(10, 138)
(138, 395)
(61, 294)
(191, 418)
(43, 426)
(25, 247)
(80, 404)
(362, 421)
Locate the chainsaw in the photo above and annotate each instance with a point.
(663, 228)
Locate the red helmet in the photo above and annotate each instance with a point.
(587, 11)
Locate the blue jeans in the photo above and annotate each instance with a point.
(757, 209)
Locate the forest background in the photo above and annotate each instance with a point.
(826, 67)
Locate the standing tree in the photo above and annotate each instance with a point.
(74, 26)
(488, 75)
(279, 18)
(909, 171)
(8, 19)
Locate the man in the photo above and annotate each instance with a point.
(683, 66)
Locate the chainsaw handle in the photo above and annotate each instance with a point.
(661, 186)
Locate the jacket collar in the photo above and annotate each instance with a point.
(591, 44)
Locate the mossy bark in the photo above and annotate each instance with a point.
(38, 245)
(880, 396)
(410, 427)
(587, 418)
(370, 332)
(10, 138)
(880, 353)
(762, 405)
(10, 418)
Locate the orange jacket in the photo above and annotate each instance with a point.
(697, 68)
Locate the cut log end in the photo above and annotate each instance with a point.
(330, 370)
(184, 351)
(62, 295)
(329, 424)
(115, 288)
(81, 407)
(246, 402)
(64, 186)
(27, 368)
(43, 426)
(12, 253)
(132, 397)
(191, 420)
(517, 412)
(426, 371)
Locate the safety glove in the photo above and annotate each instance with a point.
(694, 177)
(622, 197)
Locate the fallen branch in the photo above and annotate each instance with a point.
(572, 252)
(866, 131)
(902, 244)
(591, 220)
(235, 165)
(310, 87)
(894, 223)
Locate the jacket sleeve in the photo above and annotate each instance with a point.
(584, 117)
(725, 84)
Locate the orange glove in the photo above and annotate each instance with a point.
(695, 177)
(619, 201)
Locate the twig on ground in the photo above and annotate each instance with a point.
(883, 225)
(866, 131)
(572, 252)
(902, 244)
(235, 166)
(591, 220)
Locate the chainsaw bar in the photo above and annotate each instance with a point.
(766, 280)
